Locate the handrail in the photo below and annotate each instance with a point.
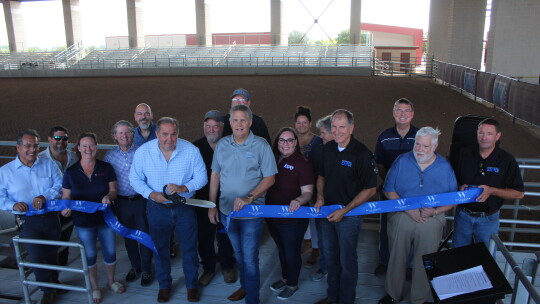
(26, 282)
(520, 275)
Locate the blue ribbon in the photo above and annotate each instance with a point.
(402, 204)
(91, 207)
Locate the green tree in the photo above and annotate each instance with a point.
(344, 37)
(295, 37)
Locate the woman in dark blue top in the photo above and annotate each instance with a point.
(93, 180)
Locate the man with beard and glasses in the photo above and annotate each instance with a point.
(63, 157)
(213, 130)
(146, 131)
(417, 173)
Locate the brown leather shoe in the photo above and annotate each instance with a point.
(193, 295)
(237, 295)
(164, 295)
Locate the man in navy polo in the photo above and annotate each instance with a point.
(347, 176)
(497, 172)
(391, 143)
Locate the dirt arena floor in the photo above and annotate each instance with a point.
(95, 104)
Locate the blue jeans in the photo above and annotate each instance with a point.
(245, 235)
(163, 221)
(340, 241)
(132, 214)
(107, 238)
(42, 227)
(322, 260)
(467, 227)
(288, 238)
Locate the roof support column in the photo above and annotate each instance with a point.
(15, 26)
(135, 12)
(72, 21)
(276, 23)
(356, 8)
(202, 15)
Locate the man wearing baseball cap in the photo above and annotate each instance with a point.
(258, 127)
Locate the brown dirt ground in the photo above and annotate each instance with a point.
(94, 104)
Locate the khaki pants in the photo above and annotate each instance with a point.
(425, 238)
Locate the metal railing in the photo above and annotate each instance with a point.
(27, 282)
(395, 66)
(521, 279)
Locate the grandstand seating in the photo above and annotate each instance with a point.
(28, 60)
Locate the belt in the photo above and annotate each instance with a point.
(130, 198)
(478, 214)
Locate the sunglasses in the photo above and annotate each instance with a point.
(63, 138)
(238, 100)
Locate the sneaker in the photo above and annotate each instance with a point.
(278, 285)
(286, 293)
(319, 275)
(132, 275)
(146, 279)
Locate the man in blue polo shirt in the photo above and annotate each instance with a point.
(243, 169)
(146, 130)
(391, 143)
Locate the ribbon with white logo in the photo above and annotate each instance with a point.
(91, 207)
(402, 204)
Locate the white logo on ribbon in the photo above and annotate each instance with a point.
(372, 205)
(431, 198)
(256, 208)
(461, 195)
(138, 233)
(284, 209)
(78, 203)
(312, 209)
(401, 202)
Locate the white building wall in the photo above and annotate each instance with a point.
(514, 41)
(391, 39)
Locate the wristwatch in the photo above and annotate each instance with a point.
(250, 198)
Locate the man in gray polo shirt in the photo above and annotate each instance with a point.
(243, 168)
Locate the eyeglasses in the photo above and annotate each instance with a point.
(63, 138)
(238, 100)
(290, 141)
(403, 110)
(482, 168)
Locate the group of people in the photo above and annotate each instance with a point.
(236, 164)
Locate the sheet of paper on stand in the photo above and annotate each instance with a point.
(462, 282)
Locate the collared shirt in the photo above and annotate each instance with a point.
(390, 145)
(346, 172)
(71, 158)
(20, 183)
(150, 170)
(121, 162)
(500, 170)
(258, 127)
(139, 140)
(91, 189)
(241, 168)
(407, 179)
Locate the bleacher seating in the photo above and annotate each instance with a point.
(28, 60)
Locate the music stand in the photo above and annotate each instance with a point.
(458, 259)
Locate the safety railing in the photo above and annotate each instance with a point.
(21, 263)
(524, 290)
(396, 66)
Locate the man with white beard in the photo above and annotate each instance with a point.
(417, 173)
(146, 131)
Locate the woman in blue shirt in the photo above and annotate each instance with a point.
(93, 180)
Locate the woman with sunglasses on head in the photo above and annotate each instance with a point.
(93, 180)
(294, 188)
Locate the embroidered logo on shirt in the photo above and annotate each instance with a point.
(99, 174)
(346, 163)
(248, 154)
(492, 169)
(287, 166)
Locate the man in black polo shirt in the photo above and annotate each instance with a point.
(347, 176)
(207, 232)
(391, 143)
(258, 126)
(496, 171)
